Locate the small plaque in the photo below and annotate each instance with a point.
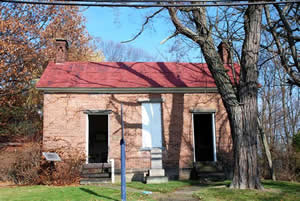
(51, 156)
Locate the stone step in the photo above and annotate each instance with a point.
(156, 157)
(156, 172)
(207, 167)
(156, 180)
(85, 181)
(96, 165)
(100, 175)
(216, 176)
(94, 171)
(156, 151)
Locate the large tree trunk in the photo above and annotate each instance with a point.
(245, 137)
(240, 101)
(244, 129)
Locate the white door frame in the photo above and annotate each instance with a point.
(213, 131)
(87, 136)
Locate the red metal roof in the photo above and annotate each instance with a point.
(126, 75)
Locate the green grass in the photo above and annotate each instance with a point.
(162, 188)
(217, 191)
(274, 191)
(66, 193)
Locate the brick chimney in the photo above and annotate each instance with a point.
(61, 54)
(224, 51)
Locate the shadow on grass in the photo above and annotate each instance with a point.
(174, 185)
(283, 186)
(96, 194)
(207, 183)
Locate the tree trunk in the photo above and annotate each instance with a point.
(245, 146)
(267, 149)
(245, 136)
(239, 101)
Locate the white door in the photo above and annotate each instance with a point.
(151, 125)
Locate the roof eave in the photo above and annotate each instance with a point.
(128, 90)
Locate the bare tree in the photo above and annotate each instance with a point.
(282, 22)
(239, 96)
(119, 52)
(279, 115)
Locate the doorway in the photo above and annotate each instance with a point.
(204, 137)
(97, 138)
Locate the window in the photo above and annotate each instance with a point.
(151, 125)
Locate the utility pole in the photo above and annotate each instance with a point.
(123, 157)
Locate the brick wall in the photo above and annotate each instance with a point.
(65, 125)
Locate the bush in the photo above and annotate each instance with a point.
(24, 166)
(20, 165)
(62, 173)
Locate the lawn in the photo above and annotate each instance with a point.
(217, 191)
(39, 193)
(274, 191)
(162, 188)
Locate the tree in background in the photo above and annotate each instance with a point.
(282, 24)
(279, 112)
(119, 52)
(27, 34)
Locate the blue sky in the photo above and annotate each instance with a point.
(120, 24)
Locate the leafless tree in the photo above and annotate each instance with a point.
(119, 52)
(279, 114)
(283, 23)
(239, 96)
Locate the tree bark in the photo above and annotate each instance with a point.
(239, 101)
(267, 149)
(245, 138)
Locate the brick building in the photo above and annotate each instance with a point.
(171, 106)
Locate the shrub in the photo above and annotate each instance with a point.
(25, 166)
(20, 165)
(62, 173)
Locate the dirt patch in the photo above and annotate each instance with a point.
(182, 194)
(7, 184)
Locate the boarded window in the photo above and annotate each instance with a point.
(151, 120)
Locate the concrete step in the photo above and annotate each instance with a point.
(96, 165)
(157, 172)
(215, 176)
(156, 151)
(85, 181)
(94, 171)
(156, 179)
(207, 167)
(100, 175)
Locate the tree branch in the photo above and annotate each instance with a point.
(143, 26)
(284, 62)
(289, 36)
(180, 27)
(169, 37)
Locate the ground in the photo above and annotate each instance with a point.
(173, 191)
